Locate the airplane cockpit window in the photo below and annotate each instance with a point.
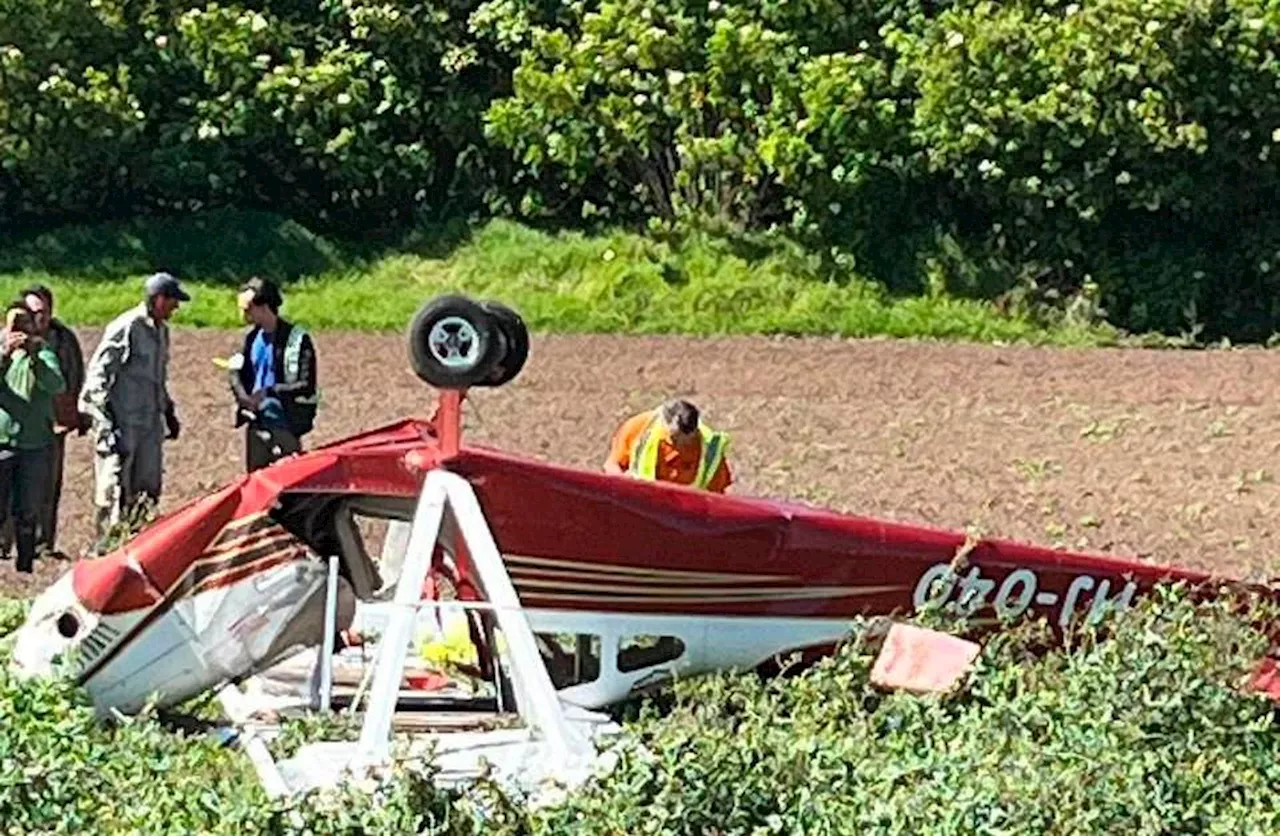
(382, 543)
(373, 533)
(571, 658)
(637, 652)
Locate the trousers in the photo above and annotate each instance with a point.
(47, 534)
(26, 477)
(263, 446)
(121, 478)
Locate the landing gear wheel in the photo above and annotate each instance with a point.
(515, 339)
(454, 343)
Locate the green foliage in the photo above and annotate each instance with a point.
(976, 148)
(1145, 731)
(65, 770)
(1140, 724)
(296, 732)
(613, 282)
(1119, 139)
(655, 107)
(344, 111)
(12, 613)
(1020, 152)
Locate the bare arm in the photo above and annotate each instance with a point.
(619, 458)
(234, 371)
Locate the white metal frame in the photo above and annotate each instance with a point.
(536, 700)
(330, 626)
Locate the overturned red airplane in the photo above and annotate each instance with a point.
(221, 588)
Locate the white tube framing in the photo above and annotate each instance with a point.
(326, 649)
(537, 702)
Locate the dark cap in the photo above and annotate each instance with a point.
(163, 284)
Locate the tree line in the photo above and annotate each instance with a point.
(1118, 151)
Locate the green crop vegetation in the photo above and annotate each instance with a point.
(1141, 725)
(63, 771)
(1143, 732)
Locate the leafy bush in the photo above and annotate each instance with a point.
(975, 147)
(659, 107)
(12, 613)
(1119, 139)
(1144, 731)
(1013, 151)
(1140, 724)
(349, 112)
(65, 771)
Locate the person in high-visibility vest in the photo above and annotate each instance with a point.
(671, 444)
(273, 377)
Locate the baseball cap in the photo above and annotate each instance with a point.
(163, 284)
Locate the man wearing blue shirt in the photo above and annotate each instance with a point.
(273, 377)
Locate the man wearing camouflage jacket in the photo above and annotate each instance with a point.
(126, 393)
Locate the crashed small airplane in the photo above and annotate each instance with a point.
(579, 589)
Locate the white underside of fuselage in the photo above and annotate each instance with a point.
(183, 649)
(226, 633)
(707, 644)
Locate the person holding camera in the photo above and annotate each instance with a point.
(67, 417)
(30, 379)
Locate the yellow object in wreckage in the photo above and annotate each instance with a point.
(450, 649)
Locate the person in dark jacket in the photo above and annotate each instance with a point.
(67, 417)
(273, 377)
(66, 413)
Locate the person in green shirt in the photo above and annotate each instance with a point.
(29, 380)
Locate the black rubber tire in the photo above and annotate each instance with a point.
(515, 338)
(460, 327)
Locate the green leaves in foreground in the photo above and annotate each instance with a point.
(1144, 731)
(63, 771)
(1139, 733)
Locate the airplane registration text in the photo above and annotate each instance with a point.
(969, 593)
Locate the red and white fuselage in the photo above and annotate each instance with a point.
(233, 582)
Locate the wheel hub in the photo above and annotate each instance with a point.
(454, 342)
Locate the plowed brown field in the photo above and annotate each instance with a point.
(1169, 456)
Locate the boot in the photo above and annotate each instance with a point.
(26, 537)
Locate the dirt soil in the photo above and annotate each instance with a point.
(1166, 456)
